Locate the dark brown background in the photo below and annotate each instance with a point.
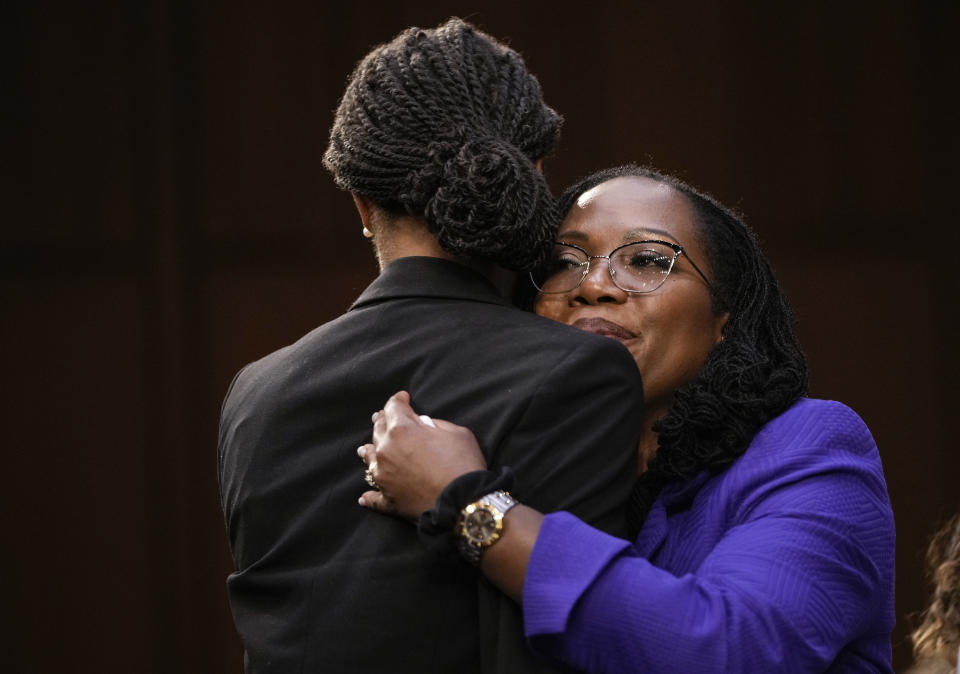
(167, 219)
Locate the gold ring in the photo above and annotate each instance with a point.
(368, 476)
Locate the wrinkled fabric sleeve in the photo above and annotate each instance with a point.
(801, 572)
(573, 449)
(575, 446)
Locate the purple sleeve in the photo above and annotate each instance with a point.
(802, 568)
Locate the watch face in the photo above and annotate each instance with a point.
(481, 525)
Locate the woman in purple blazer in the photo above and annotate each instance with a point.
(764, 538)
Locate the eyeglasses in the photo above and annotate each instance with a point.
(635, 267)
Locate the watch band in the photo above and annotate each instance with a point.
(489, 509)
(500, 499)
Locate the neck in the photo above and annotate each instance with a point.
(649, 440)
(646, 449)
(407, 236)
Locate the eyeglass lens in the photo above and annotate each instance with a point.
(639, 267)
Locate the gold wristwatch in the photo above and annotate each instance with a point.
(481, 523)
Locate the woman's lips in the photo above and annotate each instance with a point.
(601, 326)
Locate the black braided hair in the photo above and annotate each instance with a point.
(755, 373)
(447, 124)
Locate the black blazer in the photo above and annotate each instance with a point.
(324, 585)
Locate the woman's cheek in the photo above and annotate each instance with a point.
(639, 352)
(552, 308)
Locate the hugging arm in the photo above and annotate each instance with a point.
(804, 568)
(415, 462)
(574, 448)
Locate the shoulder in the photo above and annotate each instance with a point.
(810, 422)
(542, 346)
(811, 439)
(812, 435)
(816, 451)
(277, 369)
(581, 360)
(558, 335)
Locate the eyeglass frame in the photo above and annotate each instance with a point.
(678, 250)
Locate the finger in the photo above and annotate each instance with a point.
(427, 421)
(375, 500)
(367, 453)
(398, 408)
(379, 428)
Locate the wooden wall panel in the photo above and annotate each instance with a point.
(247, 313)
(852, 316)
(71, 150)
(78, 544)
(167, 219)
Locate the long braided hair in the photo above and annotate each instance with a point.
(447, 124)
(755, 373)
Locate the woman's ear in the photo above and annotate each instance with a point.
(365, 209)
(720, 327)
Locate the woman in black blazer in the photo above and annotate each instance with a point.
(438, 138)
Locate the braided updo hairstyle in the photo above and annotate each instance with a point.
(447, 124)
(753, 375)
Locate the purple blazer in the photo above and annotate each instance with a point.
(782, 563)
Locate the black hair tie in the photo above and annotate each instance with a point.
(436, 526)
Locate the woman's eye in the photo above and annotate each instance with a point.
(564, 263)
(649, 259)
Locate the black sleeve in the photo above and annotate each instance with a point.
(574, 449)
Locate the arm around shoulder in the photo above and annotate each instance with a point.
(784, 562)
(575, 446)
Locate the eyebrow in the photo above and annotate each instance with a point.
(574, 234)
(645, 232)
(631, 235)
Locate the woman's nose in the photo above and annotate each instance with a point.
(598, 285)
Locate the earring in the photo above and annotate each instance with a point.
(367, 234)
